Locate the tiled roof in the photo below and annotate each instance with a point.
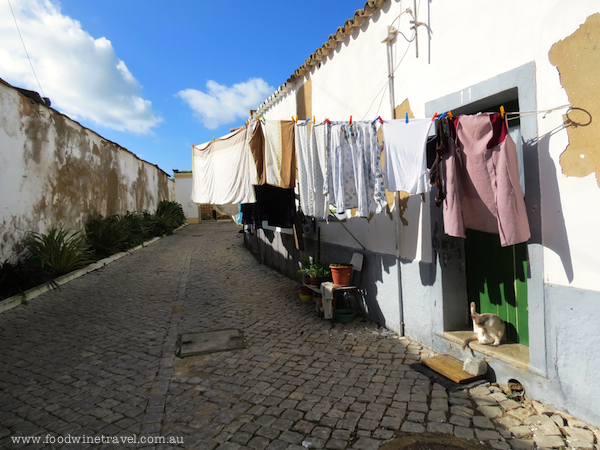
(334, 40)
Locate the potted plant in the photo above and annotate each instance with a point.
(341, 273)
(317, 272)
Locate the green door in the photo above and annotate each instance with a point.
(497, 281)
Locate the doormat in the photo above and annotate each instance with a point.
(442, 380)
(209, 342)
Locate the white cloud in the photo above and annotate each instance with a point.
(82, 76)
(222, 104)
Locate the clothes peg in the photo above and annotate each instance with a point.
(350, 123)
(246, 123)
(314, 121)
(376, 118)
(263, 118)
(307, 120)
(293, 119)
(296, 119)
(380, 120)
(434, 116)
(327, 121)
(502, 111)
(442, 116)
(450, 114)
(406, 117)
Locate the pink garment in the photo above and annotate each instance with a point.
(482, 181)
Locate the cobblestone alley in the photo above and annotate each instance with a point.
(95, 361)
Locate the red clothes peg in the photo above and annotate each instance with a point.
(350, 121)
(434, 116)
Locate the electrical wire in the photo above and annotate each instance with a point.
(386, 82)
(25, 48)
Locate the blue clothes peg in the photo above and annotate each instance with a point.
(406, 116)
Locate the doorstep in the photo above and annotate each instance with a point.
(514, 354)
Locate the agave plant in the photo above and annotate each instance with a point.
(59, 250)
(106, 235)
(168, 216)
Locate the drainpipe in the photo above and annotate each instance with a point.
(389, 41)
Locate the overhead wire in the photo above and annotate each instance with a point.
(25, 48)
(409, 40)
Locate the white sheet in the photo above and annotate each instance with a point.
(405, 156)
(224, 171)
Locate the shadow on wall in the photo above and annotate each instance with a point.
(374, 265)
(280, 253)
(555, 231)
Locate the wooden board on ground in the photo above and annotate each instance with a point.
(451, 368)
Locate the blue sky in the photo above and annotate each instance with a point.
(158, 76)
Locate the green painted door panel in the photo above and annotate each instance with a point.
(497, 281)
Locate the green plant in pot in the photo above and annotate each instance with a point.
(317, 272)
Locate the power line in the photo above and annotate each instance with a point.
(25, 48)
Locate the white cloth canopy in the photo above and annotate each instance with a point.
(224, 171)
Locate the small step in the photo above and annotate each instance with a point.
(450, 368)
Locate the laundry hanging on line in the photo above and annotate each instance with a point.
(279, 153)
(354, 173)
(405, 155)
(480, 177)
(311, 152)
(224, 171)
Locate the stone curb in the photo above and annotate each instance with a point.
(18, 299)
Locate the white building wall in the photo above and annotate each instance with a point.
(183, 196)
(471, 42)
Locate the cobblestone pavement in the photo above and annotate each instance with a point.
(95, 360)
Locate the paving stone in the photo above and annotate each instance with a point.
(459, 420)
(437, 416)
(543, 425)
(464, 433)
(482, 422)
(549, 441)
(365, 443)
(313, 442)
(491, 412)
(412, 427)
(436, 427)
(486, 435)
(336, 444)
(521, 444)
(521, 431)
(500, 445)
(579, 434)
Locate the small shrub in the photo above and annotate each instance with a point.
(16, 278)
(106, 235)
(59, 250)
(168, 217)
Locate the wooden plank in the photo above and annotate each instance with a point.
(451, 368)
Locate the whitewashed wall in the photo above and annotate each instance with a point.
(53, 172)
(183, 195)
(471, 43)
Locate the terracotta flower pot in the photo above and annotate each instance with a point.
(342, 275)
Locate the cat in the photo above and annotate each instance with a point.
(488, 328)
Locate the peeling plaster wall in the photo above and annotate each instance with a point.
(54, 172)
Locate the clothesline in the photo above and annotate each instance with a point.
(435, 116)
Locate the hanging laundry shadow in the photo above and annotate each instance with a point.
(555, 230)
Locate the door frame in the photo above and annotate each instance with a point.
(450, 253)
